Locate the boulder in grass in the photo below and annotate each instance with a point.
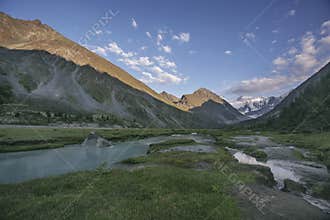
(294, 187)
(95, 140)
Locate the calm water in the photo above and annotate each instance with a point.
(22, 166)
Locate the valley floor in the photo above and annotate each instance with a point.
(160, 185)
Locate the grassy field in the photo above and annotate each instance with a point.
(178, 185)
(170, 185)
(24, 139)
(151, 193)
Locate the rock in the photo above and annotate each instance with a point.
(265, 176)
(292, 186)
(95, 140)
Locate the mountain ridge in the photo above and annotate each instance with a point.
(44, 85)
(305, 108)
(34, 35)
(255, 107)
(195, 99)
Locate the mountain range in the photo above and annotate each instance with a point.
(46, 77)
(208, 104)
(254, 107)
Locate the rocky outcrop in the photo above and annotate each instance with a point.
(94, 140)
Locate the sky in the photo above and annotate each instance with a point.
(234, 48)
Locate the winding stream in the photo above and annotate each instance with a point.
(284, 165)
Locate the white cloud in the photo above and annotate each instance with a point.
(145, 61)
(275, 31)
(151, 72)
(156, 74)
(306, 60)
(250, 36)
(228, 52)
(159, 39)
(164, 62)
(182, 37)
(166, 49)
(163, 78)
(293, 66)
(157, 69)
(143, 47)
(309, 57)
(148, 34)
(292, 51)
(280, 62)
(98, 32)
(292, 12)
(308, 43)
(274, 41)
(133, 62)
(134, 23)
(325, 27)
(100, 50)
(291, 40)
(262, 85)
(325, 41)
(114, 48)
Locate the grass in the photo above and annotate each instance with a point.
(168, 144)
(322, 190)
(258, 154)
(30, 147)
(135, 160)
(151, 193)
(173, 189)
(24, 139)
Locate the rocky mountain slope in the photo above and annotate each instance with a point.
(306, 108)
(38, 87)
(33, 35)
(219, 113)
(198, 98)
(207, 104)
(254, 107)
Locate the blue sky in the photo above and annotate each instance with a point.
(257, 47)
